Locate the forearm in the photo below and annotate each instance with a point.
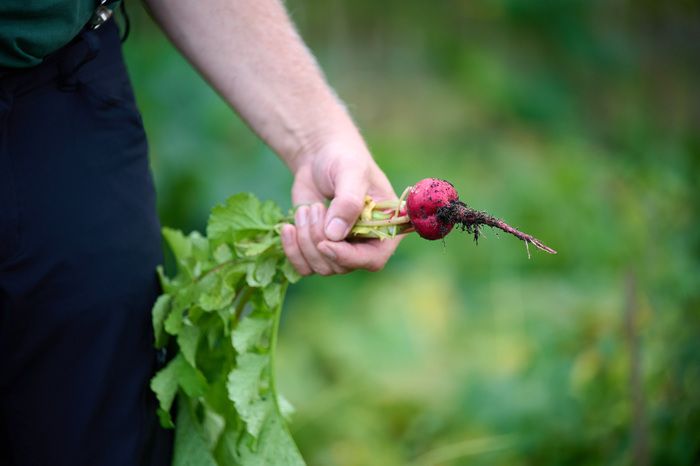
(251, 54)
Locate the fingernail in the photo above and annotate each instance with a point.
(335, 230)
(302, 216)
(315, 213)
(326, 251)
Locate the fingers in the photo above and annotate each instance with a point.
(308, 228)
(300, 242)
(370, 255)
(334, 257)
(315, 243)
(348, 200)
(293, 251)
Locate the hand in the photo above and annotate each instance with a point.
(275, 84)
(344, 173)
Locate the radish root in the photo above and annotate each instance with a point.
(470, 220)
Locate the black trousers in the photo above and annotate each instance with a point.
(79, 243)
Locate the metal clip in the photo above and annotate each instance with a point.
(101, 15)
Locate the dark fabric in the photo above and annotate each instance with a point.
(79, 243)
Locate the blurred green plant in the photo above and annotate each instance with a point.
(576, 120)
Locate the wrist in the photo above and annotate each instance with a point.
(341, 136)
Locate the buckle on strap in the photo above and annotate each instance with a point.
(101, 14)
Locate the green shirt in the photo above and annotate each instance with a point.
(32, 29)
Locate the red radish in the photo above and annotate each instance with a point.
(423, 201)
(432, 209)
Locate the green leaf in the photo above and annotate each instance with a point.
(173, 324)
(285, 406)
(233, 275)
(213, 425)
(185, 297)
(271, 213)
(241, 212)
(180, 245)
(275, 447)
(192, 253)
(256, 246)
(165, 419)
(244, 384)
(248, 333)
(262, 271)
(226, 452)
(200, 247)
(272, 294)
(255, 415)
(164, 384)
(215, 293)
(178, 373)
(194, 314)
(192, 381)
(290, 273)
(190, 446)
(187, 340)
(160, 311)
(222, 254)
(165, 282)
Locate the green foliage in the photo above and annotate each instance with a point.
(223, 307)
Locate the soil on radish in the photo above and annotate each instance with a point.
(470, 220)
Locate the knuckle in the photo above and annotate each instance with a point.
(317, 234)
(353, 201)
(346, 263)
(340, 270)
(375, 266)
(300, 265)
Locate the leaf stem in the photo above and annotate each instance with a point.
(241, 301)
(214, 269)
(273, 352)
(384, 223)
(386, 205)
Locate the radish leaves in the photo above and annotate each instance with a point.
(221, 311)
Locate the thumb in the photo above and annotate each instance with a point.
(348, 200)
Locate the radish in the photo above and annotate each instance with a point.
(432, 208)
(423, 202)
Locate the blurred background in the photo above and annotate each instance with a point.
(576, 121)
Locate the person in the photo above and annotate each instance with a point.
(79, 235)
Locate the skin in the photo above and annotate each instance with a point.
(250, 52)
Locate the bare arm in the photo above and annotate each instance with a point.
(251, 54)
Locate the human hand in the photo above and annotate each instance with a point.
(344, 172)
(275, 84)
